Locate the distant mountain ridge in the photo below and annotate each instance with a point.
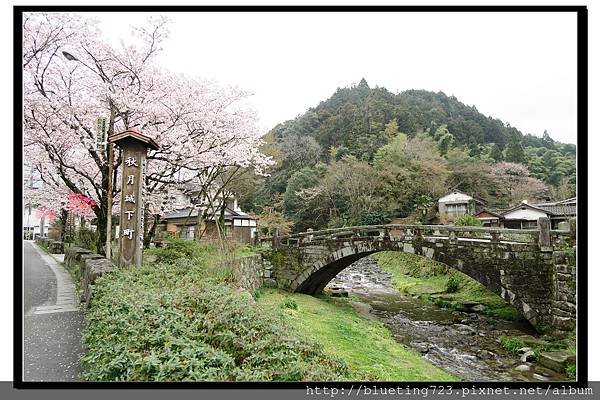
(355, 117)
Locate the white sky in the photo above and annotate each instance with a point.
(519, 67)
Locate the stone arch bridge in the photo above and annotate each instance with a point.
(534, 270)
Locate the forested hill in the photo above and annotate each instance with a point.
(355, 118)
(366, 155)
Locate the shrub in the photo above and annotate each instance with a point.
(376, 217)
(571, 371)
(511, 344)
(176, 248)
(467, 220)
(167, 322)
(87, 238)
(452, 285)
(290, 303)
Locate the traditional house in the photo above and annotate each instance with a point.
(525, 216)
(559, 211)
(490, 218)
(522, 216)
(183, 222)
(458, 203)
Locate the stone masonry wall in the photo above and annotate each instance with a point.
(252, 272)
(564, 310)
(51, 245)
(87, 267)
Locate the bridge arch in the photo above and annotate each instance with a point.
(519, 266)
(315, 277)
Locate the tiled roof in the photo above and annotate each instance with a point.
(185, 212)
(553, 209)
(496, 213)
(559, 209)
(182, 213)
(572, 200)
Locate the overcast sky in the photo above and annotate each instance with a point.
(519, 67)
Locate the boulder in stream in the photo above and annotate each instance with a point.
(556, 360)
(338, 291)
(532, 341)
(524, 350)
(478, 308)
(528, 356)
(421, 347)
(465, 329)
(522, 368)
(539, 377)
(485, 354)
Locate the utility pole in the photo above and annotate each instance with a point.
(109, 156)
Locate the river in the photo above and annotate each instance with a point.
(464, 344)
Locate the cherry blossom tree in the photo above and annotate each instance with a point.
(80, 205)
(71, 77)
(517, 183)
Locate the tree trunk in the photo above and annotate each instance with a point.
(63, 225)
(150, 234)
(101, 212)
(101, 226)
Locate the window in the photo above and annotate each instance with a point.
(457, 209)
(188, 232)
(530, 225)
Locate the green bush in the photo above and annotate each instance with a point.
(511, 344)
(87, 239)
(375, 217)
(167, 322)
(290, 303)
(175, 248)
(452, 285)
(571, 371)
(467, 220)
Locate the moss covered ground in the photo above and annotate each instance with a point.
(364, 344)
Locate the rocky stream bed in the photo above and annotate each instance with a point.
(464, 344)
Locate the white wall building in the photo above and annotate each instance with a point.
(32, 225)
(458, 203)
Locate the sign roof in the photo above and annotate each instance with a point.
(130, 133)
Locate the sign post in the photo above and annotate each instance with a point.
(134, 147)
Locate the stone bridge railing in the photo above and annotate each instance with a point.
(545, 238)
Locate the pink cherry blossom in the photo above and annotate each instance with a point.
(71, 77)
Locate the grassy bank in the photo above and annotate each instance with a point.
(181, 318)
(438, 283)
(365, 345)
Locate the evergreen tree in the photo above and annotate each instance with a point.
(547, 141)
(496, 153)
(391, 129)
(514, 151)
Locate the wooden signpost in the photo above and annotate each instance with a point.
(134, 147)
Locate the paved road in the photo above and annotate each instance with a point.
(52, 323)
